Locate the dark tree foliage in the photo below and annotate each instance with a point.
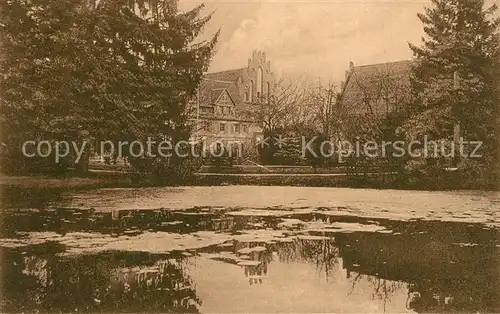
(114, 69)
(456, 78)
(294, 145)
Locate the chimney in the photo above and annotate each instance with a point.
(351, 65)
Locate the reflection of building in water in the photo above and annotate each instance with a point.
(255, 258)
(441, 275)
(168, 277)
(320, 251)
(256, 273)
(130, 221)
(133, 222)
(38, 268)
(95, 283)
(222, 223)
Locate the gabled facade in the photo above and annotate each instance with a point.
(372, 92)
(224, 99)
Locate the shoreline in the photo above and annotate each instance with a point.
(96, 180)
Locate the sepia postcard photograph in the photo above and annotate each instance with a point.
(249, 156)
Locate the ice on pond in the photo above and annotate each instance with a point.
(248, 250)
(248, 263)
(244, 250)
(291, 223)
(311, 237)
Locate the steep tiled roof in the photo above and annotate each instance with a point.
(372, 92)
(362, 79)
(394, 67)
(210, 91)
(215, 94)
(230, 75)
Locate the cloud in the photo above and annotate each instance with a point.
(321, 37)
(314, 37)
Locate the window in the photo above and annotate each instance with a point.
(268, 92)
(251, 90)
(218, 148)
(237, 128)
(260, 83)
(246, 96)
(222, 127)
(206, 127)
(245, 128)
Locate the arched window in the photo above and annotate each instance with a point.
(259, 82)
(251, 90)
(246, 96)
(268, 90)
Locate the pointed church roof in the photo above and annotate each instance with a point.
(229, 75)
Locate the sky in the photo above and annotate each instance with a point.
(312, 38)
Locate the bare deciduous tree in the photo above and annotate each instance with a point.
(370, 97)
(296, 101)
(280, 108)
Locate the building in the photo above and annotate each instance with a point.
(371, 92)
(225, 101)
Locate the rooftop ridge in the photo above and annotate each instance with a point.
(219, 81)
(224, 71)
(382, 63)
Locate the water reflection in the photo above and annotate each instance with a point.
(111, 282)
(126, 222)
(443, 275)
(397, 266)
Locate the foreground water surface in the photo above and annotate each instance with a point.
(252, 249)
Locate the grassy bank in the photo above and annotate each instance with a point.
(375, 181)
(36, 191)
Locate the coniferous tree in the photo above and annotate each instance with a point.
(455, 75)
(115, 69)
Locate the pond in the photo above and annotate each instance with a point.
(105, 251)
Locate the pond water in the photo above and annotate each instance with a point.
(74, 256)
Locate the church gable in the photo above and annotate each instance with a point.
(252, 84)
